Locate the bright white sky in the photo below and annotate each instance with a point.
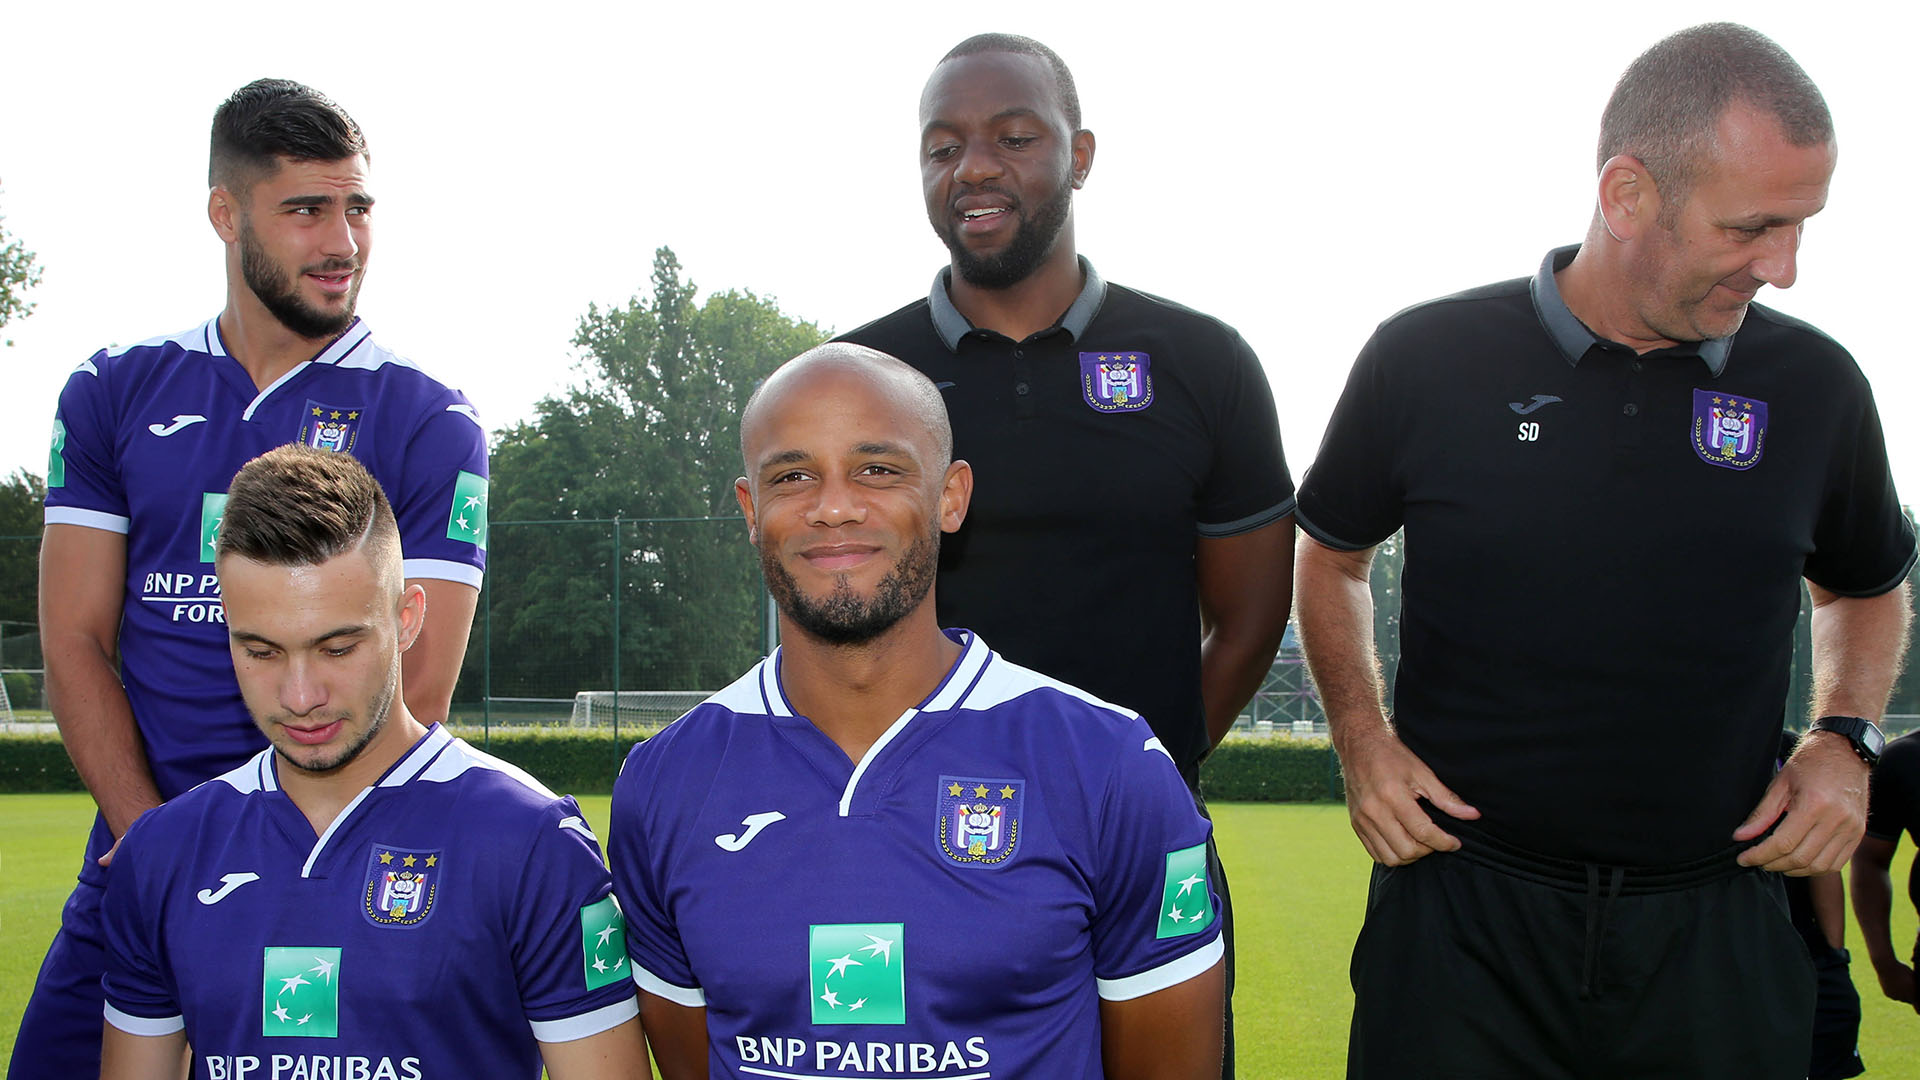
(1301, 176)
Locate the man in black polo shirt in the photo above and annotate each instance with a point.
(1893, 809)
(1613, 477)
(1133, 522)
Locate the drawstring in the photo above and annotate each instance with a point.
(1597, 911)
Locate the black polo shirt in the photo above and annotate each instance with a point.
(1604, 554)
(1102, 448)
(1894, 801)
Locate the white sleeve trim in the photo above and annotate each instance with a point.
(587, 1023)
(1172, 973)
(691, 996)
(141, 1025)
(92, 519)
(437, 569)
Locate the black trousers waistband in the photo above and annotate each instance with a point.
(1576, 876)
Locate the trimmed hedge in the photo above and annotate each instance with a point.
(584, 762)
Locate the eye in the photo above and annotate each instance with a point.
(1019, 142)
(942, 152)
(1750, 232)
(258, 654)
(341, 650)
(877, 469)
(787, 477)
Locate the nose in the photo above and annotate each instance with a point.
(1777, 261)
(837, 502)
(301, 689)
(979, 162)
(337, 240)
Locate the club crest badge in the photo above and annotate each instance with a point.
(979, 819)
(1728, 430)
(1117, 382)
(330, 427)
(402, 884)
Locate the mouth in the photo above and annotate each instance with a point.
(982, 214)
(835, 557)
(335, 282)
(313, 736)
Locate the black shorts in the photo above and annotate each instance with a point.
(1491, 963)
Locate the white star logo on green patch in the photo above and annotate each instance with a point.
(603, 942)
(467, 518)
(857, 972)
(1186, 903)
(213, 507)
(57, 457)
(300, 993)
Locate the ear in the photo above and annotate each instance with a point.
(224, 210)
(743, 494)
(1082, 157)
(1629, 200)
(956, 493)
(413, 614)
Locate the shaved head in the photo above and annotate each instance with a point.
(912, 396)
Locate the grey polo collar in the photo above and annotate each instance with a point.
(1572, 335)
(952, 326)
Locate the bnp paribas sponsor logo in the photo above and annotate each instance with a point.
(603, 942)
(857, 972)
(300, 992)
(1186, 904)
(467, 519)
(213, 507)
(57, 456)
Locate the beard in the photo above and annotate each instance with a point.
(1031, 244)
(842, 618)
(379, 708)
(279, 296)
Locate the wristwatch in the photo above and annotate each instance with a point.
(1864, 734)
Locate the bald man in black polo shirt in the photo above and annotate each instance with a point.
(1613, 477)
(1133, 522)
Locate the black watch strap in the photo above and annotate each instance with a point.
(1864, 734)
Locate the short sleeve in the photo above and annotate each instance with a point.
(568, 952)
(1863, 543)
(1350, 498)
(1157, 920)
(440, 501)
(1247, 485)
(1893, 799)
(140, 996)
(660, 964)
(83, 476)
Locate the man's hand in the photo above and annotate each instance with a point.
(1822, 793)
(1896, 981)
(1384, 783)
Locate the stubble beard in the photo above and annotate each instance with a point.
(278, 294)
(1031, 244)
(841, 618)
(379, 708)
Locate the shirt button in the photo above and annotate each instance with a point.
(1019, 354)
(1020, 388)
(1630, 409)
(1637, 365)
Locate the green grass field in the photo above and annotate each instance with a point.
(1299, 883)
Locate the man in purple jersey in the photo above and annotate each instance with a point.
(370, 897)
(886, 850)
(145, 441)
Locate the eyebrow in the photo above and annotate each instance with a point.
(358, 198)
(261, 639)
(866, 449)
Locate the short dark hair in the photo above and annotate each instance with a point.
(1026, 46)
(1668, 103)
(269, 119)
(298, 506)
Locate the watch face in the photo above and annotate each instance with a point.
(1874, 739)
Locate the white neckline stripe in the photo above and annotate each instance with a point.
(691, 996)
(306, 870)
(1172, 973)
(142, 1025)
(587, 1023)
(860, 770)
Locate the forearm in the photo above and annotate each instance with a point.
(1335, 623)
(1829, 908)
(1858, 646)
(1872, 882)
(1246, 591)
(1232, 667)
(96, 724)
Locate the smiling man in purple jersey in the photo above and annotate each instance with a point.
(145, 440)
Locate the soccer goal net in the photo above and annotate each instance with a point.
(648, 708)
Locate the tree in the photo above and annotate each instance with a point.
(21, 498)
(18, 273)
(653, 432)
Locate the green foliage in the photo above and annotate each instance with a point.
(36, 763)
(653, 432)
(18, 273)
(571, 761)
(1271, 770)
(23, 689)
(22, 497)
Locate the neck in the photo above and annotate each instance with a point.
(854, 693)
(322, 796)
(262, 344)
(1030, 305)
(1596, 286)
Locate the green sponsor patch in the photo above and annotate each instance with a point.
(1186, 904)
(603, 941)
(467, 519)
(57, 457)
(857, 972)
(213, 507)
(300, 993)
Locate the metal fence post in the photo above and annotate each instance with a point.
(486, 666)
(616, 642)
